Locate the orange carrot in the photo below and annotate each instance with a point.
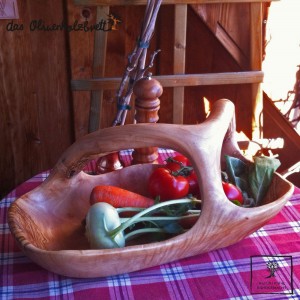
(118, 197)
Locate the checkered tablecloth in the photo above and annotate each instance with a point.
(240, 271)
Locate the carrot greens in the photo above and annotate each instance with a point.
(105, 229)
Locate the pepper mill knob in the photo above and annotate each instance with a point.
(147, 91)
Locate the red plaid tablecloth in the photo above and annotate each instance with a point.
(240, 271)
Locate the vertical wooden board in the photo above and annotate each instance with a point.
(234, 18)
(99, 59)
(199, 44)
(14, 112)
(12, 109)
(179, 60)
(256, 64)
(81, 45)
(164, 61)
(50, 67)
(116, 58)
(35, 98)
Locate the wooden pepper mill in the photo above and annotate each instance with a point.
(147, 90)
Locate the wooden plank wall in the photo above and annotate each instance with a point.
(40, 117)
(200, 44)
(119, 44)
(35, 104)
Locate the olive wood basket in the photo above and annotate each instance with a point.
(47, 222)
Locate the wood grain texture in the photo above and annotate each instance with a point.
(99, 60)
(201, 41)
(53, 235)
(34, 95)
(120, 43)
(256, 64)
(37, 112)
(180, 27)
(199, 71)
(230, 24)
(178, 80)
(238, 27)
(81, 45)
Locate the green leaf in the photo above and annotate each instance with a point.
(237, 172)
(253, 179)
(260, 176)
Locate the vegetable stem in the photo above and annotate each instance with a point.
(161, 218)
(125, 209)
(113, 233)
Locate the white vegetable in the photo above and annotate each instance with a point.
(101, 219)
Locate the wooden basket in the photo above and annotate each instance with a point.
(47, 222)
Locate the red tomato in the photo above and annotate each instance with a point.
(167, 186)
(193, 184)
(232, 192)
(177, 162)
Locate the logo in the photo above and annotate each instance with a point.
(271, 274)
(109, 24)
(272, 266)
(113, 21)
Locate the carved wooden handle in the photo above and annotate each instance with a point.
(187, 139)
